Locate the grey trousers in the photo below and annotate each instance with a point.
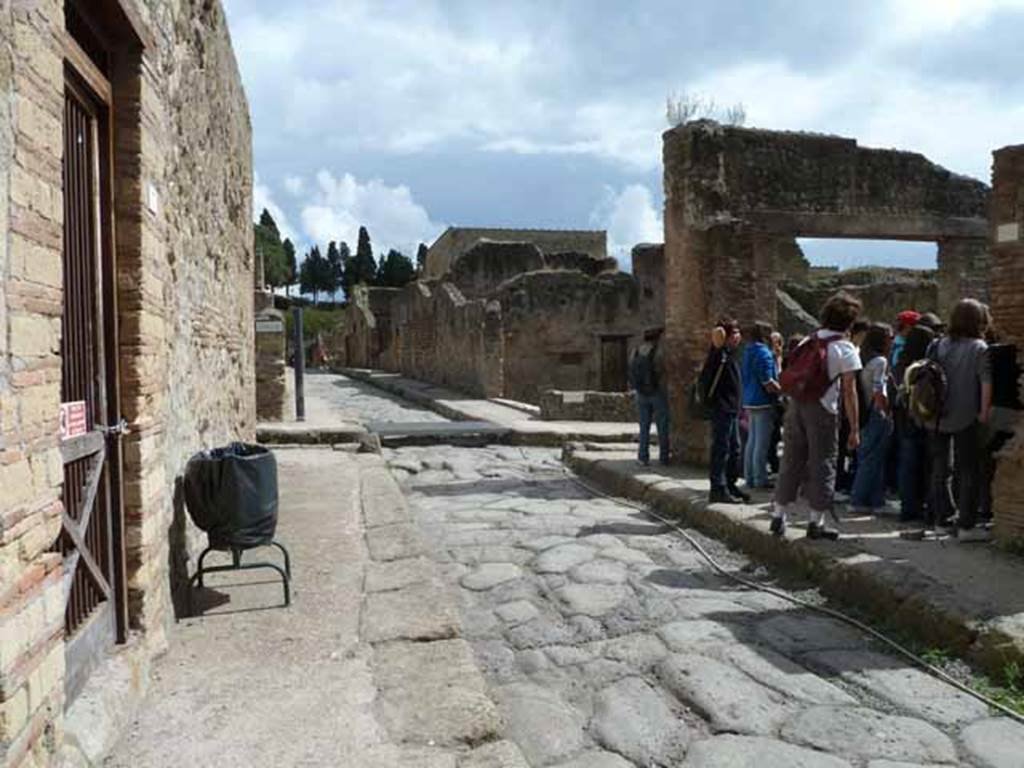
(810, 437)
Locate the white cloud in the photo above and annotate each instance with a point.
(295, 185)
(630, 218)
(263, 198)
(337, 208)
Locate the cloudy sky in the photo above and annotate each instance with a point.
(411, 115)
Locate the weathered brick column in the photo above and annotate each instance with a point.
(1007, 222)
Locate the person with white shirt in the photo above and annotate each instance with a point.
(811, 432)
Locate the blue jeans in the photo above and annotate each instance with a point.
(869, 482)
(725, 449)
(759, 436)
(653, 407)
(913, 471)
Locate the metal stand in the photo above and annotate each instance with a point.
(238, 565)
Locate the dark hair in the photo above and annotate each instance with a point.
(761, 331)
(969, 320)
(875, 342)
(729, 324)
(840, 312)
(859, 326)
(919, 338)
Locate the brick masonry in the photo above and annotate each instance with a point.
(1007, 223)
(734, 198)
(183, 204)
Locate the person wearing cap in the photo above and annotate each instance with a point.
(905, 320)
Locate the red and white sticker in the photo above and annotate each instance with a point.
(73, 421)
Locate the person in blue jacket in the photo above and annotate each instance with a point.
(760, 394)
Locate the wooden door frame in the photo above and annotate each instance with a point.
(88, 83)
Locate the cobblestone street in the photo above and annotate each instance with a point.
(609, 643)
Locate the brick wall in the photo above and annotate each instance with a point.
(183, 201)
(31, 470)
(1008, 312)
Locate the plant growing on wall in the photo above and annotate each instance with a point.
(690, 106)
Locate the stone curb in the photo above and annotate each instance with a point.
(431, 692)
(300, 434)
(545, 439)
(839, 569)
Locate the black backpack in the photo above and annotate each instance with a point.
(642, 374)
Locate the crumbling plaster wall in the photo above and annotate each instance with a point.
(731, 193)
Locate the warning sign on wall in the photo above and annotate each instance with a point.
(73, 421)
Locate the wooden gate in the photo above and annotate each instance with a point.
(90, 539)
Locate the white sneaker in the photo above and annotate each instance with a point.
(972, 535)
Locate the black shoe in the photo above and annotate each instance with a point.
(815, 531)
(778, 527)
(741, 495)
(723, 497)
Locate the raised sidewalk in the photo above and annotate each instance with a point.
(520, 419)
(964, 597)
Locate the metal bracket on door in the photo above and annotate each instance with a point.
(120, 428)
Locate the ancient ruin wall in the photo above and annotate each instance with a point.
(438, 335)
(553, 323)
(1008, 313)
(649, 272)
(455, 241)
(732, 193)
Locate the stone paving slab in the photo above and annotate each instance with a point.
(395, 542)
(416, 612)
(960, 596)
(433, 693)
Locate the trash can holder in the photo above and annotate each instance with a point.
(231, 494)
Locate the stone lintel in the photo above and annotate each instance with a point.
(868, 226)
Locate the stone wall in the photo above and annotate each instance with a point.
(553, 323)
(556, 405)
(440, 336)
(182, 210)
(884, 292)
(455, 241)
(736, 197)
(648, 261)
(1008, 313)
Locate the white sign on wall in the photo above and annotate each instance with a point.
(269, 326)
(1008, 233)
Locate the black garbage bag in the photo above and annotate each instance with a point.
(231, 493)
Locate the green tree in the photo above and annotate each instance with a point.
(421, 258)
(269, 248)
(337, 258)
(361, 268)
(311, 273)
(396, 270)
(291, 276)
